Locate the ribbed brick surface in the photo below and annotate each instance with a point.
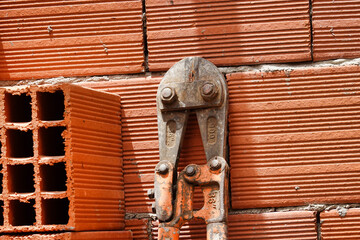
(115, 235)
(227, 32)
(140, 139)
(278, 225)
(335, 227)
(336, 29)
(61, 159)
(138, 227)
(42, 39)
(294, 137)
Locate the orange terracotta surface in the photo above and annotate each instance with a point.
(336, 27)
(43, 39)
(140, 139)
(115, 235)
(138, 227)
(227, 32)
(61, 159)
(296, 225)
(294, 137)
(336, 227)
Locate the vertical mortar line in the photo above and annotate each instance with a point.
(318, 225)
(36, 158)
(311, 30)
(145, 43)
(228, 149)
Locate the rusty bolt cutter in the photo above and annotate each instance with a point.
(192, 85)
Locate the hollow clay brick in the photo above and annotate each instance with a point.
(44, 39)
(139, 228)
(227, 32)
(111, 235)
(294, 137)
(140, 139)
(336, 27)
(340, 224)
(61, 160)
(296, 225)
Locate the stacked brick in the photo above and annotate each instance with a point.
(43, 39)
(227, 32)
(61, 160)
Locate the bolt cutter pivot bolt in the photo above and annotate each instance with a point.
(208, 91)
(215, 164)
(163, 169)
(190, 171)
(168, 95)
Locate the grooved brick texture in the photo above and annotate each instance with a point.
(43, 39)
(336, 227)
(111, 235)
(296, 225)
(140, 139)
(227, 32)
(336, 29)
(61, 159)
(294, 137)
(138, 227)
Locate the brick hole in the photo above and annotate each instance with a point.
(21, 178)
(55, 211)
(22, 213)
(17, 108)
(51, 105)
(1, 213)
(19, 143)
(51, 142)
(53, 177)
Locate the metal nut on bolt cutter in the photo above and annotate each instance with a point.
(192, 85)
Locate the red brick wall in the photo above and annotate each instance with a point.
(293, 127)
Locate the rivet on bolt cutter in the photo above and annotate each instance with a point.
(192, 85)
